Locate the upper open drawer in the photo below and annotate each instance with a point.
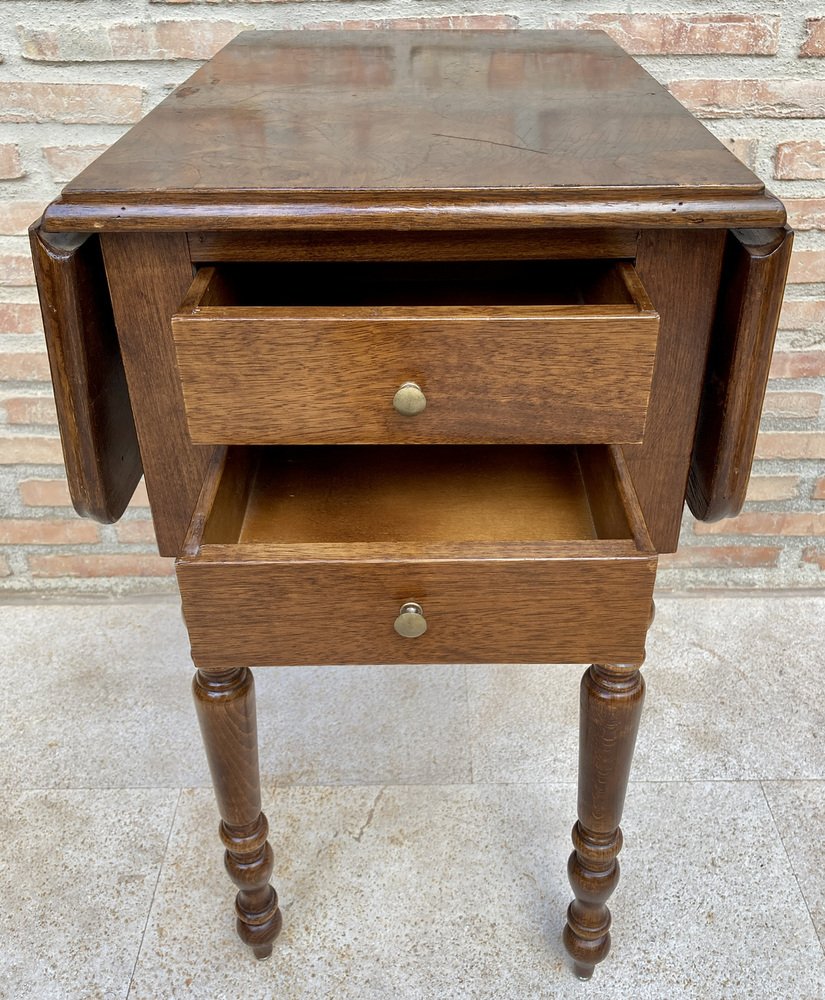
(481, 352)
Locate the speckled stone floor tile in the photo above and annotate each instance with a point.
(799, 811)
(77, 875)
(729, 686)
(420, 817)
(363, 725)
(453, 892)
(98, 695)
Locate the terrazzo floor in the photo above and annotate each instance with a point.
(420, 818)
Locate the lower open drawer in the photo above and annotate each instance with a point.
(302, 555)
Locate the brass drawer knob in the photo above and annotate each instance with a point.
(409, 399)
(411, 622)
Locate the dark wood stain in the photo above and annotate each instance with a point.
(405, 130)
(753, 280)
(680, 271)
(97, 429)
(323, 215)
(148, 275)
(494, 543)
(315, 353)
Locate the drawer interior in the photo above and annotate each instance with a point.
(325, 496)
(421, 283)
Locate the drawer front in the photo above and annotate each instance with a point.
(475, 373)
(511, 557)
(510, 611)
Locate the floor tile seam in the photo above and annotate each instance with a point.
(792, 867)
(572, 782)
(154, 893)
(475, 783)
(792, 781)
(5, 789)
(752, 779)
(470, 732)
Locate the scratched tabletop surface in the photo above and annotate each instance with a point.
(415, 111)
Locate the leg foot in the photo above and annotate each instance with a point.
(611, 704)
(225, 704)
(249, 861)
(583, 971)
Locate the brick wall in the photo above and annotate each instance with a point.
(75, 75)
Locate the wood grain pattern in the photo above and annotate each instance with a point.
(326, 595)
(148, 276)
(574, 367)
(225, 704)
(610, 709)
(402, 130)
(425, 210)
(681, 272)
(97, 430)
(503, 244)
(753, 281)
(479, 157)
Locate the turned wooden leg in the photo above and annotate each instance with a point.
(611, 705)
(225, 703)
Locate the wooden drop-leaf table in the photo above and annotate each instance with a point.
(421, 341)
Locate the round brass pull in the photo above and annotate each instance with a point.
(411, 622)
(409, 399)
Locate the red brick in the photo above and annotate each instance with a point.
(65, 162)
(20, 317)
(800, 160)
(477, 21)
(29, 367)
(30, 451)
(815, 556)
(72, 103)
(30, 410)
(55, 493)
(806, 213)
(814, 44)
(762, 488)
(802, 314)
(44, 492)
(795, 524)
(141, 498)
(100, 42)
(819, 489)
(743, 149)
(802, 444)
(10, 165)
(730, 556)
(136, 532)
(807, 266)
(766, 98)
(16, 270)
(17, 216)
(683, 34)
(792, 405)
(798, 364)
(137, 564)
(36, 532)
